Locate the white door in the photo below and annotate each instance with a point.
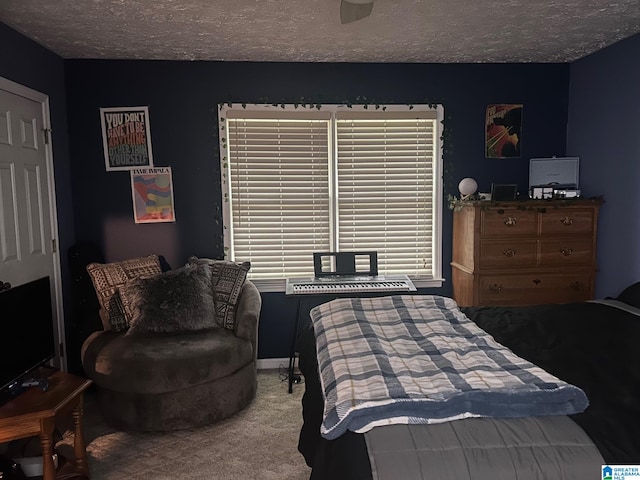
(28, 222)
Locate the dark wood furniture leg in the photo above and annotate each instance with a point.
(46, 442)
(79, 446)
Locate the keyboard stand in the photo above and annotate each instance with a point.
(302, 306)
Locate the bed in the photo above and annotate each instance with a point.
(589, 345)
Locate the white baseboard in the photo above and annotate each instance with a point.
(271, 363)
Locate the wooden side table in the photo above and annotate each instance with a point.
(34, 412)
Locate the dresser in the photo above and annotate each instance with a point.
(524, 252)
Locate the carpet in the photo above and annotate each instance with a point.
(259, 442)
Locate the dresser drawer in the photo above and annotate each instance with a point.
(533, 289)
(567, 221)
(569, 251)
(502, 222)
(498, 253)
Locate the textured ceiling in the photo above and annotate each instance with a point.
(310, 30)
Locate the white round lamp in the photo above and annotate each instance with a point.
(467, 186)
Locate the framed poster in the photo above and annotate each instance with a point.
(503, 131)
(152, 192)
(126, 138)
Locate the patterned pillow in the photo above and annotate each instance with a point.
(227, 279)
(175, 301)
(108, 277)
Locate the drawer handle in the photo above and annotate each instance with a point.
(510, 222)
(566, 221)
(495, 288)
(537, 281)
(577, 286)
(509, 252)
(566, 251)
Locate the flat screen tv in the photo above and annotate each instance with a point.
(26, 332)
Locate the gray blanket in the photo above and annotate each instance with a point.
(534, 448)
(415, 359)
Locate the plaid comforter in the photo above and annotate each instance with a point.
(410, 359)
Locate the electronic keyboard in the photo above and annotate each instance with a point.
(340, 284)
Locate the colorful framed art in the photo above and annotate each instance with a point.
(152, 193)
(503, 131)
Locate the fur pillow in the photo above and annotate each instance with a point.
(108, 277)
(227, 279)
(175, 301)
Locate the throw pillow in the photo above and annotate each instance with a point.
(108, 277)
(175, 301)
(227, 279)
(631, 295)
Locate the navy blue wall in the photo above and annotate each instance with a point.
(604, 131)
(600, 105)
(182, 99)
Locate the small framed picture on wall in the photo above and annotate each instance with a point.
(503, 131)
(152, 192)
(126, 138)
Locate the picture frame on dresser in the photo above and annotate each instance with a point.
(503, 192)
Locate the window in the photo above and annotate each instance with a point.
(298, 180)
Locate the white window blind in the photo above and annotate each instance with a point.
(279, 193)
(385, 191)
(299, 180)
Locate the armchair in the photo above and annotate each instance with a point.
(155, 375)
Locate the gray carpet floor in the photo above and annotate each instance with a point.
(258, 443)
